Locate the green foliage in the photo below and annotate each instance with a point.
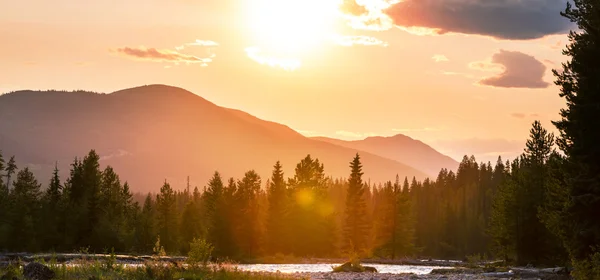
(158, 250)
(276, 234)
(587, 269)
(579, 137)
(355, 225)
(200, 252)
(517, 227)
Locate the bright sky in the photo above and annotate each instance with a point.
(465, 76)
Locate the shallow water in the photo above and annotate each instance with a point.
(303, 268)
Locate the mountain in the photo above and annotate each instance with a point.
(401, 148)
(157, 132)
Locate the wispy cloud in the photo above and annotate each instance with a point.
(440, 58)
(518, 70)
(358, 40)
(164, 55)
(199, 43)
(368, 14)
(285, 63)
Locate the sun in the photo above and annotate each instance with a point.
(288, 29)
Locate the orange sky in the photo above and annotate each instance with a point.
(473, 89)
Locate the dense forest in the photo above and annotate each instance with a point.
(480, 209)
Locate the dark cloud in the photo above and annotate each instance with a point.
(503, 19)
(153, 54)
(519, 70)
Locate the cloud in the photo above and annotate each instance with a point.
(349, 41)
(198, 43)
(440, 58)
(368, 14)
(502, 19)
(285, 63)
(118, 153)
(152, 54)
(519, 70)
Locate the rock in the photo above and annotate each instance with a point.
(370, 269)
(37, 271)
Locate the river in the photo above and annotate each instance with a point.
(312, 268)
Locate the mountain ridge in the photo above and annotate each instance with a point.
(400, 148)
(157, 132)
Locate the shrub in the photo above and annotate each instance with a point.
(200, 251)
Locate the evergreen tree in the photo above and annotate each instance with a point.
(277, 212)
(579, 135)
(167, 218)
(248, 228)
(145, 228)
(52, 213)
(190, 225)
(219, 233)
(355, 227)
(4, 204)
(11, 168)
(25, 206)
(310, 215)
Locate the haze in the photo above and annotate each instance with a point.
(466, 77)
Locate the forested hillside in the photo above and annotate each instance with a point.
(480, 209)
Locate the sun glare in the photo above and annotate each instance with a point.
(285, 30)
(293, 26)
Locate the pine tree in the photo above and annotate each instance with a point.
(579, 136)
(52, 213)
(248, 228)
(310, 215)
(219, 232)
(4, 204)
(277, 212)
(25, 198)
(190, 225)
(167, 218)
(145, 228)
(11, 168)
(355, 230)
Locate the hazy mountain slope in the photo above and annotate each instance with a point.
(152, 133)
(402, 149)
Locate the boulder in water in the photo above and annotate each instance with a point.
(37, 271)
(370, 269)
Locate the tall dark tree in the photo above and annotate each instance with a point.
(4, 225)
(11, 168)
(248, 228)
(145, 227)
(219, 232)
(167, 218)
(25, 198)
(355, 225)
(579, 135)
(277, 212)
(52, 213)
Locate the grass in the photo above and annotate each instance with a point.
(100, 270)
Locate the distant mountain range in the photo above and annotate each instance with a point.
(401, 148)
(157, 132)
